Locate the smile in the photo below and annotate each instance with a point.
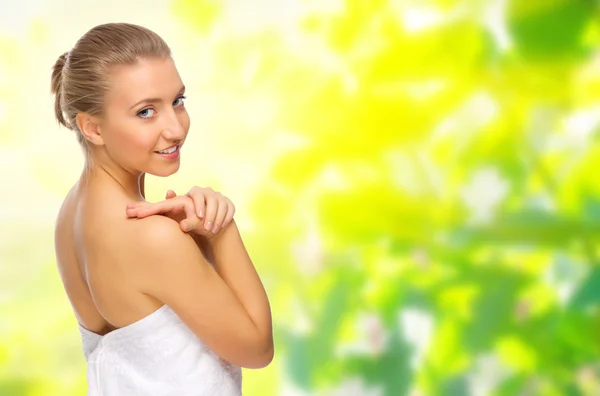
(169, 150)
(171, 153)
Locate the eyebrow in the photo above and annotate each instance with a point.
(156, 100)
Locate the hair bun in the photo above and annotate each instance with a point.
(56, 88)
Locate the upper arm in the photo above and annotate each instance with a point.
(174, 271)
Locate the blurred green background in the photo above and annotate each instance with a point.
(415, 181)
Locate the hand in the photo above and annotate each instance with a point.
(180, 209)
(216, 209)
(202, 210)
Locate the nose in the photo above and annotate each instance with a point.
(173, 128)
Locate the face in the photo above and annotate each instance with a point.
(145, 122)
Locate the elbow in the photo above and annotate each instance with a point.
(263, 357)
(268, 355)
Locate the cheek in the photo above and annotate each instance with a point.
(142, 140)
(184, 120)
(131, 138)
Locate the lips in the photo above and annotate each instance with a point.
(169, 150)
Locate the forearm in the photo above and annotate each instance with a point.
(228, 255)
(204, 247)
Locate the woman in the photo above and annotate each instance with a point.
(166, 296)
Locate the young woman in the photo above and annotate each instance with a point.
(167, 298)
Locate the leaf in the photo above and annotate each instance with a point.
(549, 28)
(14, 386)
(493, 310)
(455, 386)
(529, 226)
(310, 354)
(588, 293)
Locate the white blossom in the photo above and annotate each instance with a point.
(486, 375)
(483, 194)
(309, 251)
(416, 326)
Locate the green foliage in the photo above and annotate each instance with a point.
(396, 130)
(426, 214)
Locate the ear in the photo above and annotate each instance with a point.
(90, 128)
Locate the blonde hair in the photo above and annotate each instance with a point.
(80, 76)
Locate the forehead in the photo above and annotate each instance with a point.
(147, 78)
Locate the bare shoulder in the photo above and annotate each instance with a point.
(158, 235)
(161, 250)
(154, 226)
(65, 212)
(63, 225)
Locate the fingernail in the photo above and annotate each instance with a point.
(199, 213)
(215, 230)
(207, 225)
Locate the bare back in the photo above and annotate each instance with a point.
(96, 264)
(117, 270)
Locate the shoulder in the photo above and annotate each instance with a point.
(66, 208)
(64, 218)
(159, 253)
(158, 235)
(161, 248)
(156, 226)
(167, 262)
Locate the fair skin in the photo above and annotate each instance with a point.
(122, 258)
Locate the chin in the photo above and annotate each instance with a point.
(164, 171)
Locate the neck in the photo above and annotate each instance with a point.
(130, 183)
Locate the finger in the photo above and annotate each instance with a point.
(176, 210)
(191, 219)
(150, 209)
(220, 216)
(138, 205)
(230, 213)
(130, 212)
(132, 208)
(212, 205)
(199, 199)
(170, 194)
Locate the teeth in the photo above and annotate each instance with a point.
(169, 151)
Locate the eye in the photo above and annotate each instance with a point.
(179, 101)
(146, 113)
